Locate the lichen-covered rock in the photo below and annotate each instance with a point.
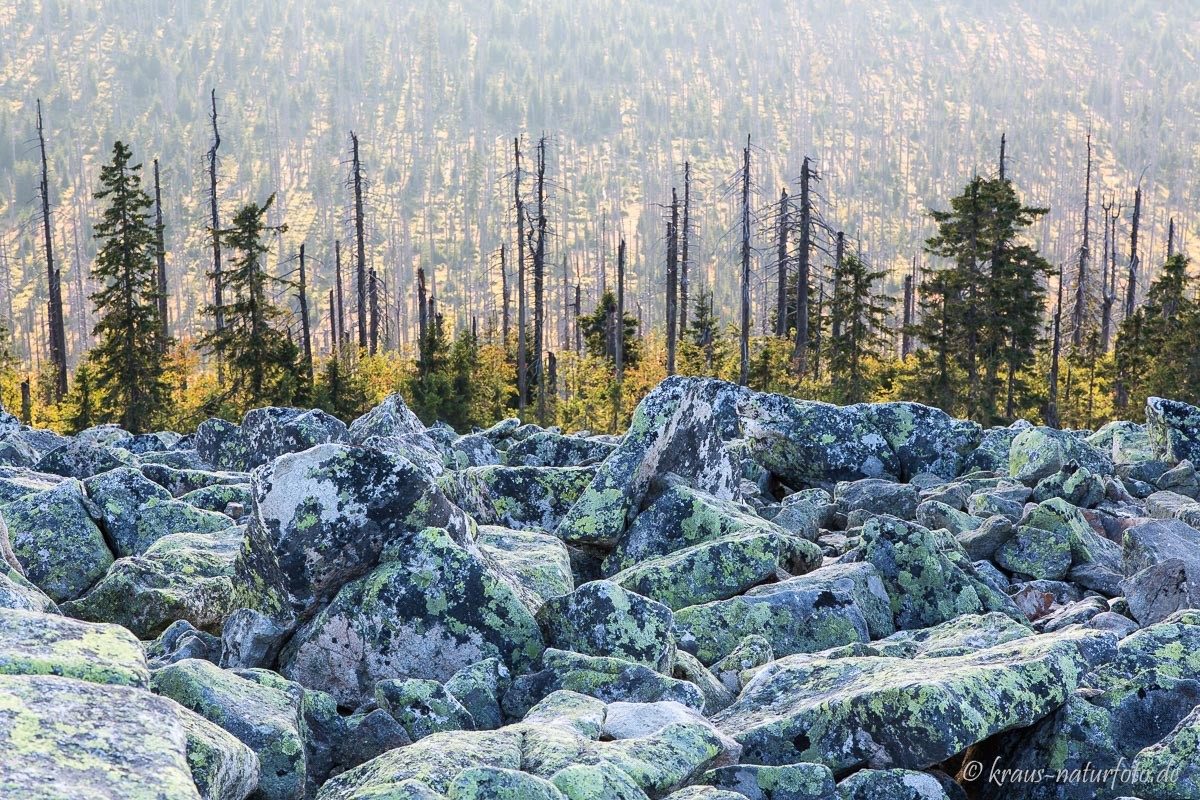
(633, 720)
(135, 511)
(545, 449)
(219, 497)
(680, 427)
(18, 593)
(1038, 553)
(852, 712)
(264, 718)
(600, 781)
(369, 734)
(1087, 546)
(924, 439)
(392, 417)
(182, 480)
(59, 546)
(1075, 484)
(796, 616)
(494, 783)
(223, 768)
(79, 458)
(877, 496)
(804, 513)
(179, 641)
(429, 610)
(1037, 453)
(478, 688)
(265, 434)
(982, 543)
(926, 585)
(1156, 541)
(679, 518)
(1173, 429)
(934, 514)
(603, 619)
(323, 516)
(720, 568)
(891, 784)
(63, 738)
(803, 781)
(1174, 759)
(182, 576)
(517, 497)
(752, 652)
(538, 562)
(607, 679)
(47, 644)
(807, 443)
(434, 762)
(1158, 591)
(958, 637)
(422, 707)
(141, 443)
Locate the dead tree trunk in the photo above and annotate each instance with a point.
(840, 254)
(218, 280)
(1131, 281)
(744, 338)
(57, 338)
(373, 292)
(906, 340)
(1081, 278)
(684, 262)
(1055, 350)
(781, 261)
(802, 267)
(672, 282)
(522, 355)
(539, 284)
(361, 243)
(341, 303)
(305, 332)
(505, 297)
(160, 252)
(1109, 276)
(422, 319)
(333, 331)
(619, 338)
(1171, 238)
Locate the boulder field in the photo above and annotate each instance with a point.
(744, 597)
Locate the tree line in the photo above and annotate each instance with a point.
(982, 325)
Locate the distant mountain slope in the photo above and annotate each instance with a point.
(897, 100)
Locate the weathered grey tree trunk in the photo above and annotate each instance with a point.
(341, 303)
(1081, 277)
(803, 253)
(522, 355)
(781, 260)
(539, 284)
(505, 297)
(361, 242)
(672, 282)
(744, 338)
(305, 332)
(684, 235)
(218, 280)
(57, 338)
(160, 252)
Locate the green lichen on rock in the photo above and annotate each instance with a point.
(957, 637)
(223, 768)
(495, 783)
(135, 511)
(263, 718)
(600, 781)
(422, 707)
(63, 738)
(56, 541)
(524, 498)
(679, 427)
(537, 562)
(601, 618)
(218, 497)
(876, 712)
(435, 609)
(891, 784)
(1038, 553)
(803, 781)
(834, 605)
(46, 644)
(182, 576)
(719, 569)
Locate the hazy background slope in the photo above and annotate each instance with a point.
(898, 101)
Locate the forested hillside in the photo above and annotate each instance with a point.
(897, 102)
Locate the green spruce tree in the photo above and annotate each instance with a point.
(599, 332)
(857, 317)
(129, 359)
(259, 356)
